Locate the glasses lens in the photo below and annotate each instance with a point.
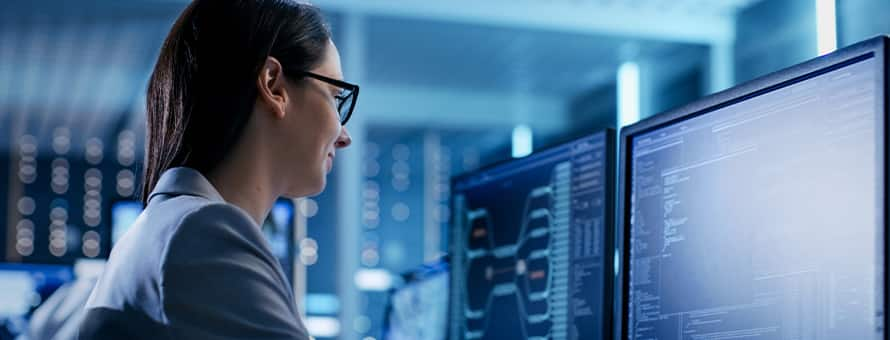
(344, 105)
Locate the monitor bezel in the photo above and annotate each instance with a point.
(877, 47)
(608, 222)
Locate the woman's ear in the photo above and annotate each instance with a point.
(272, 90)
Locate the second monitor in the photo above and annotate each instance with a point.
(532, 245)
(759, 213)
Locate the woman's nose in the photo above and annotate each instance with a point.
(343, 140)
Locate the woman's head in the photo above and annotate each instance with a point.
(231, 67)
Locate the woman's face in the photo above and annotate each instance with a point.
(314, 130)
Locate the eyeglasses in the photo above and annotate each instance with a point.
(345, 100)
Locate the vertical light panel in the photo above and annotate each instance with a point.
(826, 26)
(432, 180)
(628, 94)
(522, 141)
(298, 277)
(721, 71)
(349, 181)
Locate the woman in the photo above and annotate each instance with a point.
(244, 105)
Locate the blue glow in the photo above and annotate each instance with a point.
(282, 213)
(322, 304)
(22, 285)
(123, 215)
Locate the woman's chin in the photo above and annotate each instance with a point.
(308, 189)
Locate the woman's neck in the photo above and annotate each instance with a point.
(244, 179)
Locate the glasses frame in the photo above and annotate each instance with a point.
(352, 88)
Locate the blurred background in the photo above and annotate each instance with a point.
(447, 87)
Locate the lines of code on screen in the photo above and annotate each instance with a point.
(762, 219)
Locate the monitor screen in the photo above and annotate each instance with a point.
(123, 215)
(762, 218)
(23, 287)
(279, 231)
(419, 309)
(531, 250)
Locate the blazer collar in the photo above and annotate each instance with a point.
(185, 181)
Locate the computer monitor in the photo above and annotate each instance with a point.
(279, 231)
(759, 212)
(418, 309)
(23, 287)
(123, 214)
(532, 245)
(278, 228)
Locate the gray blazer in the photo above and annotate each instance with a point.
(192, 267)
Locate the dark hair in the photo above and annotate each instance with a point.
(203, 87)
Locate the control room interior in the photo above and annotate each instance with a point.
(495, 186)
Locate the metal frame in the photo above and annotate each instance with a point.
(609, 217)
(341, 99)
(877, 47)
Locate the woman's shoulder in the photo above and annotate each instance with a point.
(215, 260)
(212, 237)
(211, 214)
(210, 228)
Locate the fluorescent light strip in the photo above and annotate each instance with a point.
(377, 280)
(322, 326)
(522, 141)
(826, 26)
(628, 94)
